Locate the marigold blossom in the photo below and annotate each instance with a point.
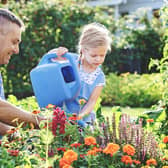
(111, 149)
(165, 139)
(12, 130)
(164, 166)
(92, 152)
(126, 159)
(151, 162)
(90, 141)
(63, 162)
(82, 101)
(136, 162)
(150, 120)
(36, 111)
(130, 150)
(70, 156)
(50, 106)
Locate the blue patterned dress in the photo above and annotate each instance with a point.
(89, 81)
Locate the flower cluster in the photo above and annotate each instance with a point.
(68, 158)
(58, 121)
(63, 144)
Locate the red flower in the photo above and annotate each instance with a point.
(61, 149)
(76, 145)
(165, 139)
(82, 155)
(58, 121)
(13, 152)
(51, 153)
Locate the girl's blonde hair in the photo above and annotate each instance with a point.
(94, 35)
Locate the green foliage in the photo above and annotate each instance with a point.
(132, 90)
(48, 24)
(160, 111)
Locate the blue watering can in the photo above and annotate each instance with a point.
(55, 82)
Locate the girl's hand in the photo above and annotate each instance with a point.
(60, 51)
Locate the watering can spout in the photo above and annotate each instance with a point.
(55, 82)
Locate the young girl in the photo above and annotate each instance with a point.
(93, 45)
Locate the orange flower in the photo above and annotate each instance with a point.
(97, 149)
(36, 111)
(151, 162)
(50, 106)
(126, 159)
(111, 149)
(92, 152)
(12, 130)
(130, 150)
(70, 156)
(165, 139)
(82, 101)
(150, 120)
(63, 162)
(90, 140)
(136, 161)
(165, 167)
(67, 166)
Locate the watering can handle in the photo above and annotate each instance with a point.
(46, 59)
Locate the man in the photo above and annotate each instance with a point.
(11, 28)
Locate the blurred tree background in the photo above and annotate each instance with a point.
(54, 23)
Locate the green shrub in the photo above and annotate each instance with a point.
(49, 24)
(132, 90)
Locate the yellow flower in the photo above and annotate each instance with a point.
(162, 145)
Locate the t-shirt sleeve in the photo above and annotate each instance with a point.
(101, 81)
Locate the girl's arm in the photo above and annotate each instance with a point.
(91, 102)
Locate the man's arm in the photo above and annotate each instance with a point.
(9, 112)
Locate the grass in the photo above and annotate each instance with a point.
(134, 112)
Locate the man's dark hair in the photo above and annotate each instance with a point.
(9, 16)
